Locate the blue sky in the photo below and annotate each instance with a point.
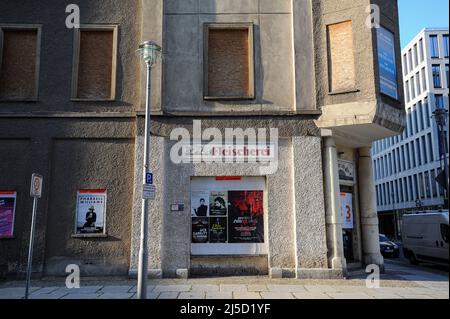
(418, 14)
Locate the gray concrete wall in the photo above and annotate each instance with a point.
(71, 154)
(72, 144)
(284, 76)
(288, 222)
(328, 12)
(57, 52)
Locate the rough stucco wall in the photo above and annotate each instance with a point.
(311, 245)
(156, 209)
(87, 164)
(170, 242)
(55, 83)
(183, 64)
(14, 171)
(326, 12)
(31, 151)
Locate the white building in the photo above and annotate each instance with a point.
(405, 166)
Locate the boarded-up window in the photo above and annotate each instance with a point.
(229, 61)
(341, 63)
(95, 66)
(18, 69)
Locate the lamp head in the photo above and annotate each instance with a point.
(149, 51)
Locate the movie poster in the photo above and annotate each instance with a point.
(7, 213)
(218, 230)
(200, 229)
(218, 204)
(245, 217)
(91, 210)
(199, 204)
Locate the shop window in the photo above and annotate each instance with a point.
(228, 61)
(19, 62)
(227, 216)
(94, 75)
(341, 61)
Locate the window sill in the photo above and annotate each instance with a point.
(228, 98)
(8, 237)
(5, 100)
(89, 235)
(92, 100)
(338, 92)
(228, 256)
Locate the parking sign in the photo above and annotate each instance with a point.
(36, 185)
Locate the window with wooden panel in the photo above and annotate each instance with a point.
(341, 61)
(94, 65)
(228, 61)
(19, 62)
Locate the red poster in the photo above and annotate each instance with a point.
(246, 216)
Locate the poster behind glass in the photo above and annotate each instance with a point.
(90, 213)
(386, 63)
(7, 213)
(246, 217)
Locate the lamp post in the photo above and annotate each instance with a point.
(149, 52)
(440, 116)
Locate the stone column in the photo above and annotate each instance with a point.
(368, 208)
(336, 257)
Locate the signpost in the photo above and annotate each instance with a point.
(35, 192)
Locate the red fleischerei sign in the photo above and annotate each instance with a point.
(228, 178)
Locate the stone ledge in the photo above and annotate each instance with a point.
(319, 273)
(152, 273)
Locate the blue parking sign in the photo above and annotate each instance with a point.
(149, 178)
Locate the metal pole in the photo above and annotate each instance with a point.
(143, 254)
(30, 248)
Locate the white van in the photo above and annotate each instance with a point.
(425, 237)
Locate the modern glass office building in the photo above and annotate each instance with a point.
(406, 166)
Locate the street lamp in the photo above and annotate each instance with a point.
(149, 51)
(440, 116)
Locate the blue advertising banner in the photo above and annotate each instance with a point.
(386, 63)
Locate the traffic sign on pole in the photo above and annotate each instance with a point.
(36, 185)
(149, 178)
(35, 192)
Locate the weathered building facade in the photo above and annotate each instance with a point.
(307, 71)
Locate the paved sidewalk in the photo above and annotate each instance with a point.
(399, 282)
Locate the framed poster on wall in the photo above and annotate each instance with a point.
(7, 213)
(200, 229)
(199, 204)
(91, 211)
(347, 210)
(386, 63)
(245, 216)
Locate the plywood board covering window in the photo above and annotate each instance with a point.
(341, 63)
(229, 61)
(95, 74)
(18, 70)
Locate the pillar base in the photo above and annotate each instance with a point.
(338, 263)
(374, 259)
(320, 273)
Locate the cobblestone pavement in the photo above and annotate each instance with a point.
(399, 282)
